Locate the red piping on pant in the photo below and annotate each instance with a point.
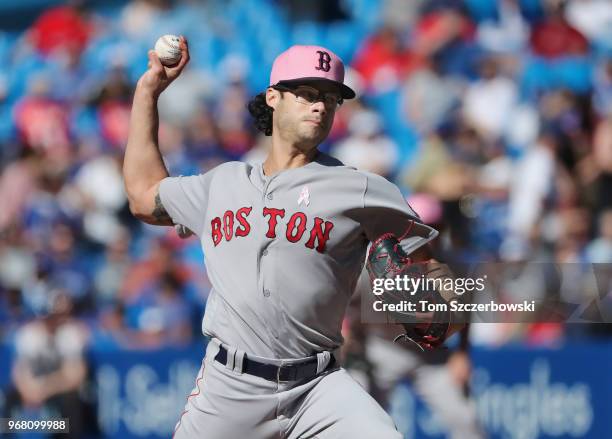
(196, 393)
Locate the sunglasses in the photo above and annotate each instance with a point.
(308, 95)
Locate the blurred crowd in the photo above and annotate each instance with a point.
(494, 118)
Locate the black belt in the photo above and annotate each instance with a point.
(286, 372)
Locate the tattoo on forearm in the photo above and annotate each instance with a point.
(160, 213)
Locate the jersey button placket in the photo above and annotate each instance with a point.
(271, 306)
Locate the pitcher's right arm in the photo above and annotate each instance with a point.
(143, 166)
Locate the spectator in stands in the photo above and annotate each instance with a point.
(100, 209)
(367, 148)
(62, 30)
(111, 331)
(21, 173)
(139, 16)
(554, 36)
(174, 309)
(142, 273)
(508, 33)
(593, 18)
(113, 268)
(384, 59)
(12, 311)
(401, 15)
(113, 107)
(602, 84)
(68, 268)
(41, 121)
(160, 315)
(49, 368)
(202, 142)
(438, 170)
(599, 249)
(488, 102)
(17, 268)
(596, 168)
(532, 182)
(233, 120)
(429, 97)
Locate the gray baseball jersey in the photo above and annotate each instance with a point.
(284, 252)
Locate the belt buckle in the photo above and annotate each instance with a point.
(278, 373)
(292, 372)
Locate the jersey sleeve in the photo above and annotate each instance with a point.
(386, 211)
(186, 198)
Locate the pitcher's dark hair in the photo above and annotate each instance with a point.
(262, 113)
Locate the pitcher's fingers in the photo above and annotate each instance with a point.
(184, 54)
(155, 62)
(183, 44)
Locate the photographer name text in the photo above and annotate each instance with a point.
(426, 306)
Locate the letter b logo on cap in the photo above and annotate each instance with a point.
(310, 62)
(324, 59)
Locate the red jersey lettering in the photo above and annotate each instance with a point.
(228, 225)
(217, 236)
(272, 221)
(319, 234)
(241, 217)
(295, 228)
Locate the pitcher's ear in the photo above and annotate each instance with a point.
(272, 97)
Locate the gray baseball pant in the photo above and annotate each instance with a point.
(227, 404)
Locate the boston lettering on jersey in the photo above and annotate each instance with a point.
(236, 224)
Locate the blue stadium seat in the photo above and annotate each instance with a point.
(389, 107)
(308, 32)
(206, 50)
(532, 10)
(540, 75)
(7, 129)
(21, 72)
(575, 73)
(365, 12)
(7, 42)
(344, 37)
(84, 123)
(481, 10)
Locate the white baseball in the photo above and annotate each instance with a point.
(168, 50)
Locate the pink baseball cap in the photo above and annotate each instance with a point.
(302, 64)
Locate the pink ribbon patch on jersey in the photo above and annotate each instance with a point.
(304, 196)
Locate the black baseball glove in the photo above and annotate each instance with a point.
(427, 329)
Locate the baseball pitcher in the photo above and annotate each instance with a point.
(284, 244)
